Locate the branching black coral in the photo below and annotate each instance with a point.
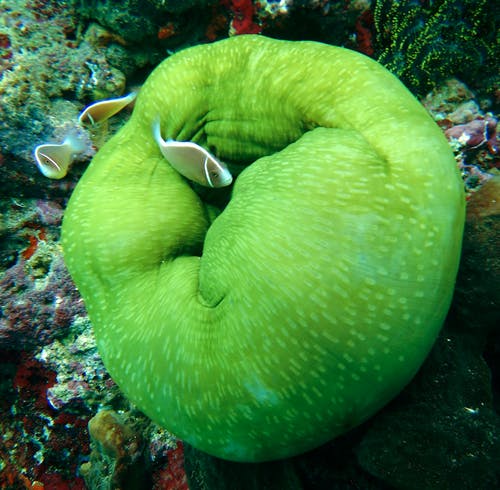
(424, 41)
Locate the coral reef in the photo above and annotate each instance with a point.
(243, 22)
(478, 289)
(56, 57)
(117, 459)
(38, 299)
(121, 458)
(472, 132)
(53, 379)
(45, 75)
(38, 444)
(148, 29)
(424, 42)
(331, 22)
(40, 308)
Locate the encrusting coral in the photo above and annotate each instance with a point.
(307, 304)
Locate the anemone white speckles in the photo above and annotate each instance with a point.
(417, 321)
(371, 352)
(260, 392)
(384, 249)
(291, 413)
(303, 355)
(307, 398)
(382, 338)
(333, 339)
(319, 349)
(388, 310)
(348, 358)
(382, 271)
(315, 317)
(350, 322)
(370, 281)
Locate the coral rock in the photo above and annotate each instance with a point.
(117, 457)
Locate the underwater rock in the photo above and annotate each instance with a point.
(38, 444)
(447, 98)
(471, 131)
(38, 299)
(206, 472)
(442, 432)
(477, 297)
(141, 24)
(82, 383)
(117, 459)
(48, 71)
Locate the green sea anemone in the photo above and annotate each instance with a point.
(315, 294)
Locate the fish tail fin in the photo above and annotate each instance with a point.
(77, 142)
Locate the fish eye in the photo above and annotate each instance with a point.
(46, 160)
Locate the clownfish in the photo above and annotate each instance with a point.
(53, 160)
(193, 161)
